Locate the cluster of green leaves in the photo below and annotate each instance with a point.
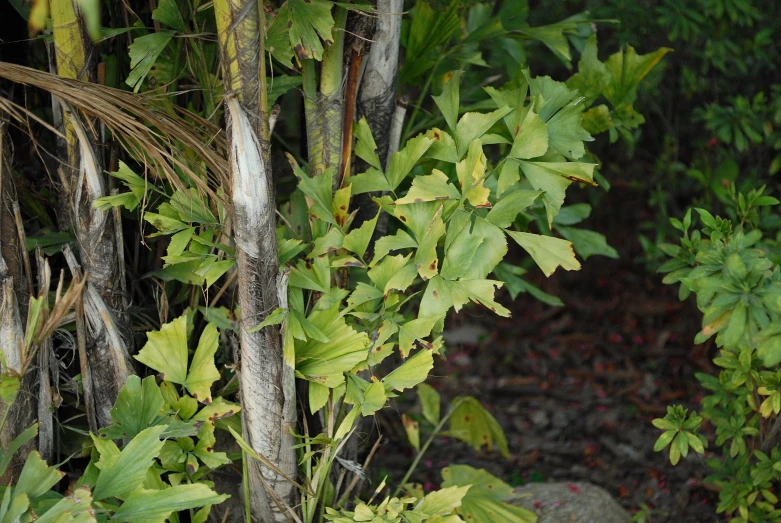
(715, 103)
(169, 434)
(365, 313)
(467, 494)
(738, 290)
(451, 234)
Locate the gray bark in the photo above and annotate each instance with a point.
(377, 95)
(267, 392)
(108, 335)
(13, 307)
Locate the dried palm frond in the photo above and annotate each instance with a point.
(149, 134)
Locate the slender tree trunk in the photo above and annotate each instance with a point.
(377, 95)
(109, 337)
(14, 296)
(267, 377)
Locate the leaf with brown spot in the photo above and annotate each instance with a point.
(312, 20)
(476, 426)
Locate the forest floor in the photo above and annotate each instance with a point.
(575, 389)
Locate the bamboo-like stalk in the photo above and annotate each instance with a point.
(14, 297)
(267, 378)
(109, 337)
(324, 109)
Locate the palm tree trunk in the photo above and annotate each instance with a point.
(377, 95)
(108, 333)
(14, 296)
(267, 377)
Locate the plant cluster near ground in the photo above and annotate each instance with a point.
(234, 233)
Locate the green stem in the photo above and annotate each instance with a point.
(425, 447)
(314, 134)
(245, 473)
(330, 104)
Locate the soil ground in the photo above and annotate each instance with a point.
(575, 388)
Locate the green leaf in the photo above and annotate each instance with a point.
(315, 276)
(588, 243)
(471, 423)
(426, 260)
(472, 126)
(548, 252)
(412, 428)
(553, 37)
(18, 442)
(166, 352)
(444, 146)
(278, 39)
(566, 133)
(471, 174)
(382, 273)
(281, 84)
(202, 372)
(413, 371)
(332, 241)
(626, 70)
(308, 19)
(36, 477)
(433, 187)
(137, 407)
(531, 139)
(664, 439)
(597, 120)
(401, 280)
(489, 253)
(124, 472)
(448, 101)
(402, 162)
(76, 508)
(220, 409)
(592, 77)
(374, 399)
(572, 214)
(553, 178)
(154, 506)
(414, 331)
(511, 97)
(143, 54)
(509, 174)
(429, 402)
(319, 189)
(164, 224)
(443, 501)
(167, 13)
(485, 499)
(506, 209)
(203, 449)
(275, 318)
(400, 240)
(365, 146)
(461, 247)
(370, 181)
(511, 276)
(326, 362)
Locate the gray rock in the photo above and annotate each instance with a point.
(571, 502)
